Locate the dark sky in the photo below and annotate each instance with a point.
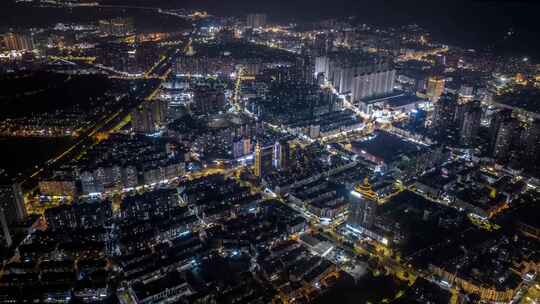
(469, 23)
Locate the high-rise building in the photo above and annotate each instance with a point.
(263, 160)
(253, 68)
(466, 91)
(360, 74)
(363, 206)
(226, 35)
(12, 202)
(462, 106)
(117, 27)
(19, 41)
(440, 59)
(209, 99)
(532, 142)
(89, 183)
(192, 65)
(506, 135)
(301, 72)
(322, 44)
(305, 69)
(130, 177)
(58, 187)
(241, 147)
(247, 146)
(256, 20)
(12, 209)
(471, 124)
(5, 239)
(282, 155)
(141, 120)
(347, 78)
(435, 88)
(83, 215)
(283, 75)
(495, 123)
(322, 65)
(372, 80)
(238, 148)
(150, 116)
(110, 177)
(444, 113)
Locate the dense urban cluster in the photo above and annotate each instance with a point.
(235, 160)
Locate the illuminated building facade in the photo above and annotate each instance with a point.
(435, 88)
(282, 155)
(18, 42)
(58, 188)
(263, 160)
(363, 206)
(444, 113)
(149, 117)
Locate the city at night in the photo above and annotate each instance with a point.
(280, 152)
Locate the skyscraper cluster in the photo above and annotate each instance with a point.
(363, 76)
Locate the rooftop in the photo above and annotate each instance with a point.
(385, 146)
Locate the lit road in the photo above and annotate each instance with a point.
(237, 88)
